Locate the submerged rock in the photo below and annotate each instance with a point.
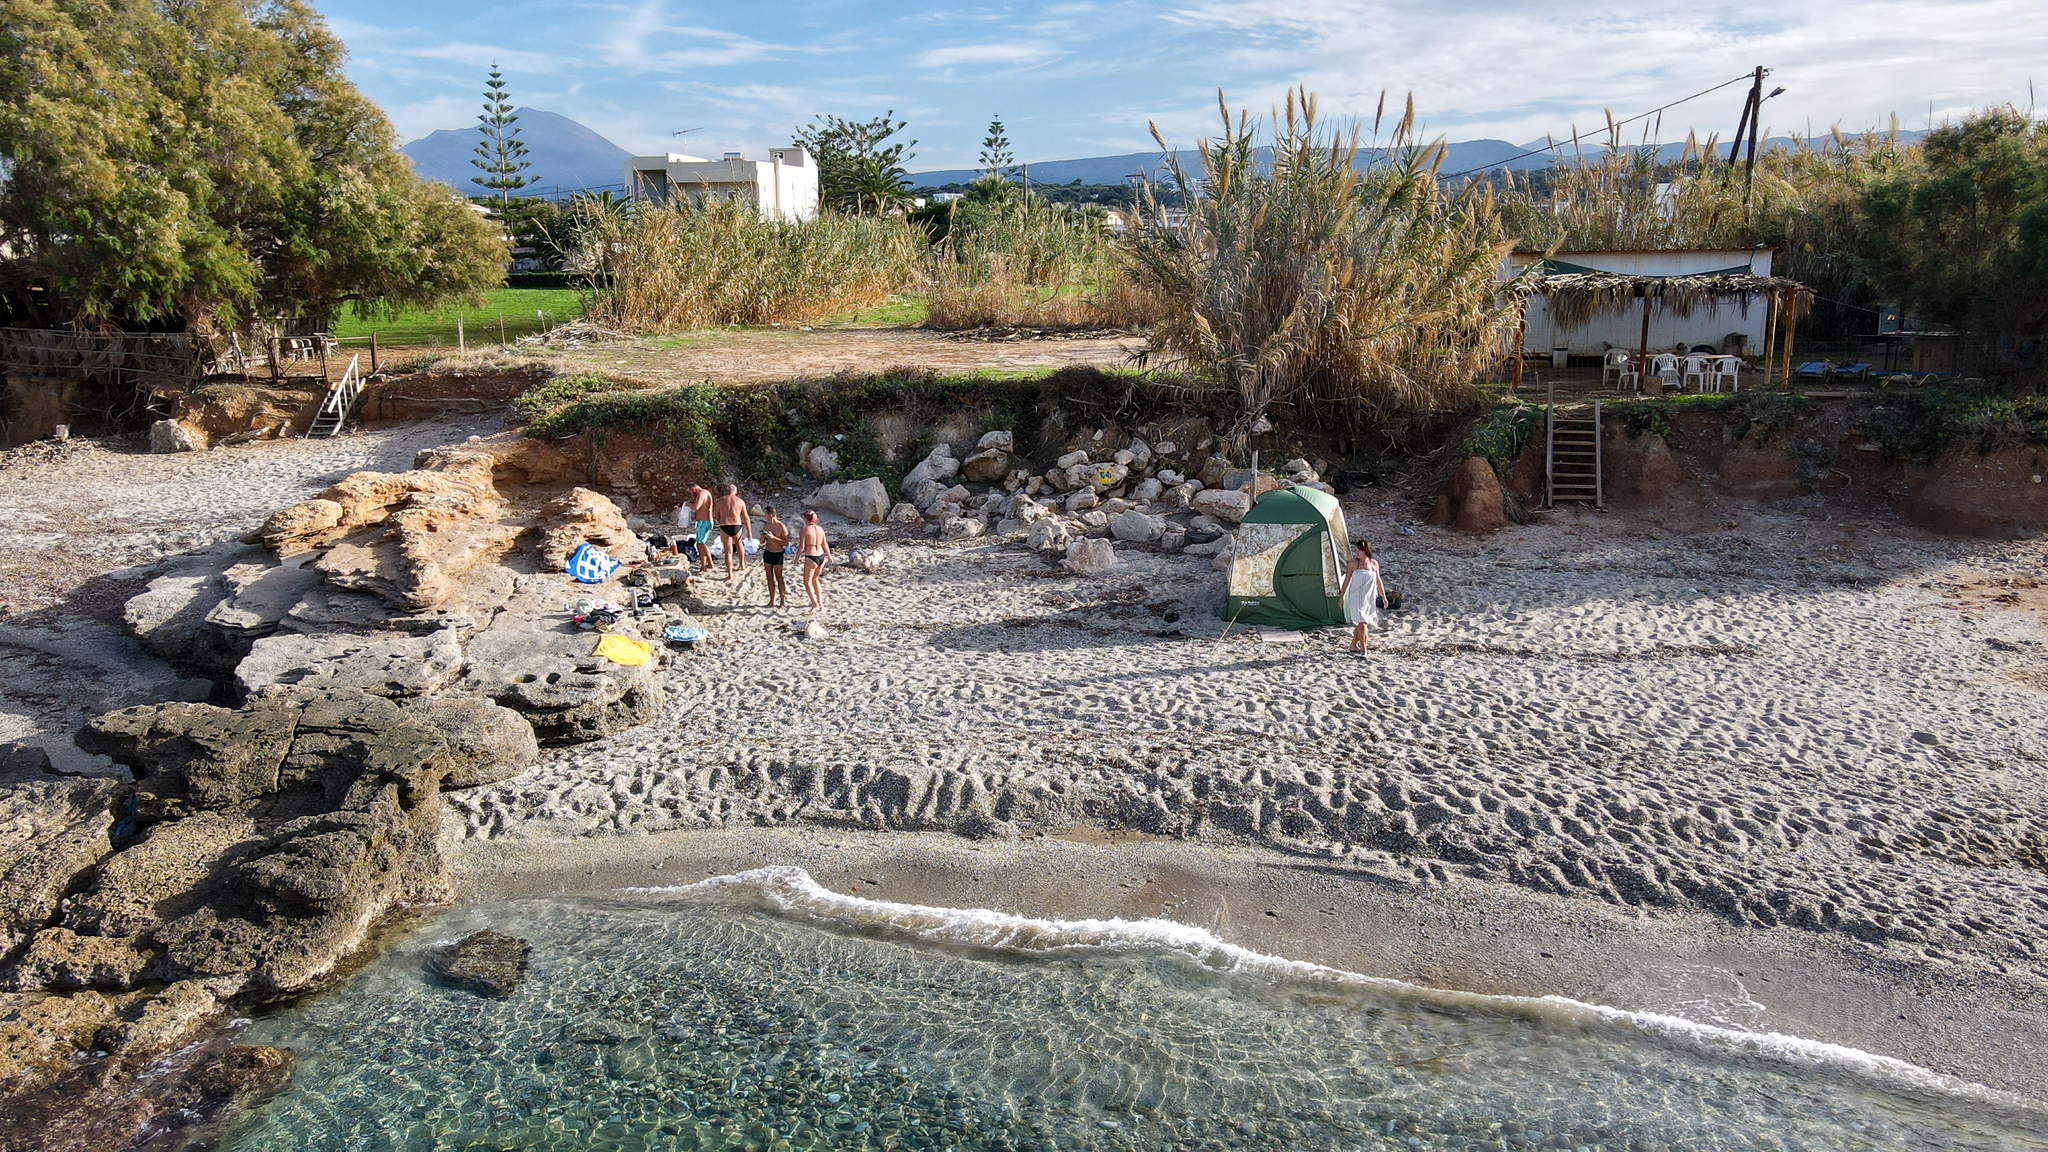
(485, 962)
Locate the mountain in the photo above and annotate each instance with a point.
(563, 153)
(1465, 156)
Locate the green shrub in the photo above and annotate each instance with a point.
(1503, 434)
(1918, 425)
(564, 390)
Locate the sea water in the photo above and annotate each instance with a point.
(763, 1012)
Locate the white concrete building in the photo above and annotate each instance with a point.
(783, 187)
(1710, 324)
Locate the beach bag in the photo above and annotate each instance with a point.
(590, 566)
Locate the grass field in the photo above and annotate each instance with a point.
(516, 305)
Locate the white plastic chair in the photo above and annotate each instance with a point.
(1726, 369)
(1665, 365)
(1616, 363)
(1696, 369)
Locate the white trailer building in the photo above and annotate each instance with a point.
(782, 187)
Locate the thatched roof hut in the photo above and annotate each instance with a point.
(1575, 294)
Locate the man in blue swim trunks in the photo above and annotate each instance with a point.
(700, 507)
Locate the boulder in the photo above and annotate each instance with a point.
(171, 436)
(1212, 471)
(1049, 534)
(1090, 557)
(385, 664)
(961, 528)
(986, 466)
(1141, 455)
(868, 560)
(487, 963)
(957, 494)
(1225, 504)
(904, 513)
(1148, 490)
(1116, 506)
(1470, 501)
(1258, 483)
(1025, 510)
(810, 630)
(863, 501)
(1082, 501)
(1173, 538)
(922, 494)
(1094, 518)
(1004, 441)
(1070, 460)
(820, 462)
(1170, 478)
(581, 516)
(939, 465)
(1137, 528)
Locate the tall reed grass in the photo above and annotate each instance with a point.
(1015, 261)
(1336, 296)
(684, 266)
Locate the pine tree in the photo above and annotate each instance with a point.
(996, 159)
(501, 154)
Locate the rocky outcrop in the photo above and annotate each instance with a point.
(1471, 500)
(52, 828)
(532, 660)
(581, 516)
(270, 837)
(386, 664)
(485, 962)
(234, 413)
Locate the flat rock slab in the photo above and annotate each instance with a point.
(532, 660)
(392, 665)
(260, 596)
(487, 963)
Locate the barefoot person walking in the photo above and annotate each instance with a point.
(736, 524)
(816, 552)
(774, 544)
(1361, 593)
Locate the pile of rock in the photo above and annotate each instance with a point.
(1128, 492)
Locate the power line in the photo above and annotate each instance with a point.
(1618, 123)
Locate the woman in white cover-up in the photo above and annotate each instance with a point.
(1361, 592)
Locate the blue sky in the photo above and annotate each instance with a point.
(1082, 79)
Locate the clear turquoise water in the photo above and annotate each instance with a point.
(765, 1014)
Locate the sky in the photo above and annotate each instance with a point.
(1085, 78)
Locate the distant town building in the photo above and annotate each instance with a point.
(782, 187)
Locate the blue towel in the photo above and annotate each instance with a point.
(676, 632)
(590, 566)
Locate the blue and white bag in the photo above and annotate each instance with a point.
(591, 566)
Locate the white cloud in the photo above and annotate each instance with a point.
(1019, 53)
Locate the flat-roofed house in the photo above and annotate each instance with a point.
(782, 187)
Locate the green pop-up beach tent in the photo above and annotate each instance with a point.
(1289, 562)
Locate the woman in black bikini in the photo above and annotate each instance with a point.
(774, 541)
(816, 552)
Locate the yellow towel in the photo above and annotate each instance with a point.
(620, 650)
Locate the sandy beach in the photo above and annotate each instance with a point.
(1775, 742)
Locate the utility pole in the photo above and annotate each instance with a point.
(1752, 120)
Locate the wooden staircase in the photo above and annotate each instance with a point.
(1572, 471)
(339, 403)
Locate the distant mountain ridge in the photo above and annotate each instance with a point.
(1465, 156)
(563, 153)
